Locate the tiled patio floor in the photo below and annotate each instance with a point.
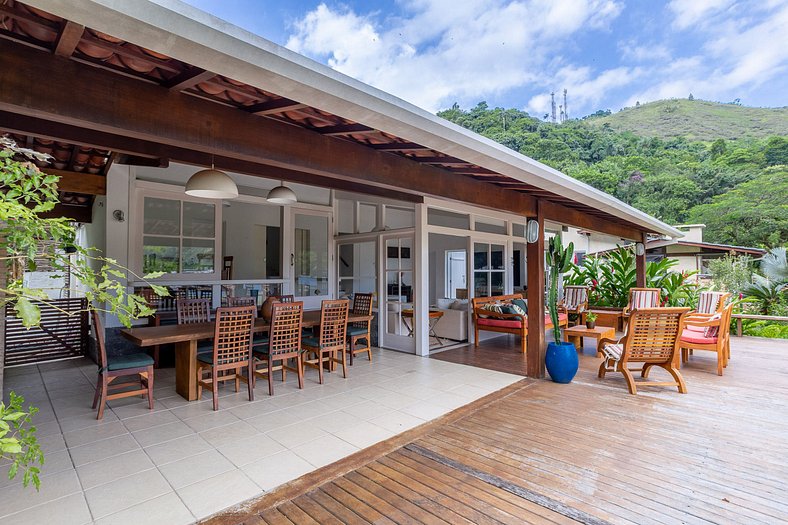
(183, 462)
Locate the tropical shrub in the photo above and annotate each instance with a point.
(611, 276)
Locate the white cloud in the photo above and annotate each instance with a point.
(744, 49)
(446, 50)
(692, 12)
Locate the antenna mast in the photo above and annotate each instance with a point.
(552, 105)
(566, 111)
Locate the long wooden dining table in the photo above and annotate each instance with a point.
(186, 336)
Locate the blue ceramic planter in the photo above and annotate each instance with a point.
(561, 362)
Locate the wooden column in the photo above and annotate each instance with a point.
(640, 264)
(535, 267)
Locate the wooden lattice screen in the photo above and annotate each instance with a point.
(63, 333)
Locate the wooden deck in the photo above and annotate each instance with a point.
(588, 452)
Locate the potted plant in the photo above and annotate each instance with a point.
(590, 320)
(561, 358)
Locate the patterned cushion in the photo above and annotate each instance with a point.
(708, 302)
(123, 362)
(613, 351)
(713, 331)
(573, 297)
(522, 304)
(644, 299)
(697, 338)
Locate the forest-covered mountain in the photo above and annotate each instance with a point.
(737, 187)
(695, 120)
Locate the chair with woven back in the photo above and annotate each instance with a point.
(246, 300)
(708, 333)
(360, 330)
(286, 298)
(651, 339)
(575, 301)
(232, 351)
(193, 311)
(331, 340)
(138, 364)
(282, 344)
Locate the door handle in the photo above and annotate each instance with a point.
(292, 259)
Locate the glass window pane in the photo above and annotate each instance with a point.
(406, 253)
(162, 216)
(496, 257)
(198, 219)
(481, 256)
(198, 255)
(252, 235)
(496, 283)
(311, 255)
(367, 217)
(518, 230)
(486, 224)
(160, 254)
(481, 284)
(392, 254)
(448, 219)
(400, 218)
(345, 216)
(346, 260)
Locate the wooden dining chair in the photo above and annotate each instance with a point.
(285, 298)
(138, 364)
(360, 330)
(193, 311)
(247, 300)
(283, 343)
(329, 345)
(651, 339)
(232, 352)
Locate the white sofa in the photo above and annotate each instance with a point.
(454, 323)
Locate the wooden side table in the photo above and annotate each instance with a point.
(434, 317)
(575, 334)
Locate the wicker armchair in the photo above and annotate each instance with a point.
(652, 339)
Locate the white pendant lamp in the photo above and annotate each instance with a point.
(211, 184)
(282, 195)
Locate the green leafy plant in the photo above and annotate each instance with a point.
(559, 260)
(591, 317)
(27, 239)
(18, 441)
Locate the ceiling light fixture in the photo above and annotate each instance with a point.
(211, 184)
(282, 195)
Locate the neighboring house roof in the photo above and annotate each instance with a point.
(651, 245)
(254, 73)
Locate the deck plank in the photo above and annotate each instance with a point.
(587, 450)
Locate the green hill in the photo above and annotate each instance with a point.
(697, 120)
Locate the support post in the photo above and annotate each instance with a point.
(536, 311)
(421, 289)
(640, 264)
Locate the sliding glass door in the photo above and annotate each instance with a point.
(398, 292)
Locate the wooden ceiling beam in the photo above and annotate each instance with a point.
(188, 79)
(138, 160)
(271, 107)
(77, 182)
(580, 219)
(396, 146)
(344, 129)
(129, 109)
(68, 38)
(141, 149)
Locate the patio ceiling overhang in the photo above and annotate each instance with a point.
(159, 81)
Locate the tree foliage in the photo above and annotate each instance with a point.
(738, 188)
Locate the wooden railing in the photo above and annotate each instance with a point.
(739, 318)
(63, 332)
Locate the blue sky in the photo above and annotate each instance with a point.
(608, 54)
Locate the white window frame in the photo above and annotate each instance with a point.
(155, 190)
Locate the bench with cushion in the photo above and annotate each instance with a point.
(505, 321)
